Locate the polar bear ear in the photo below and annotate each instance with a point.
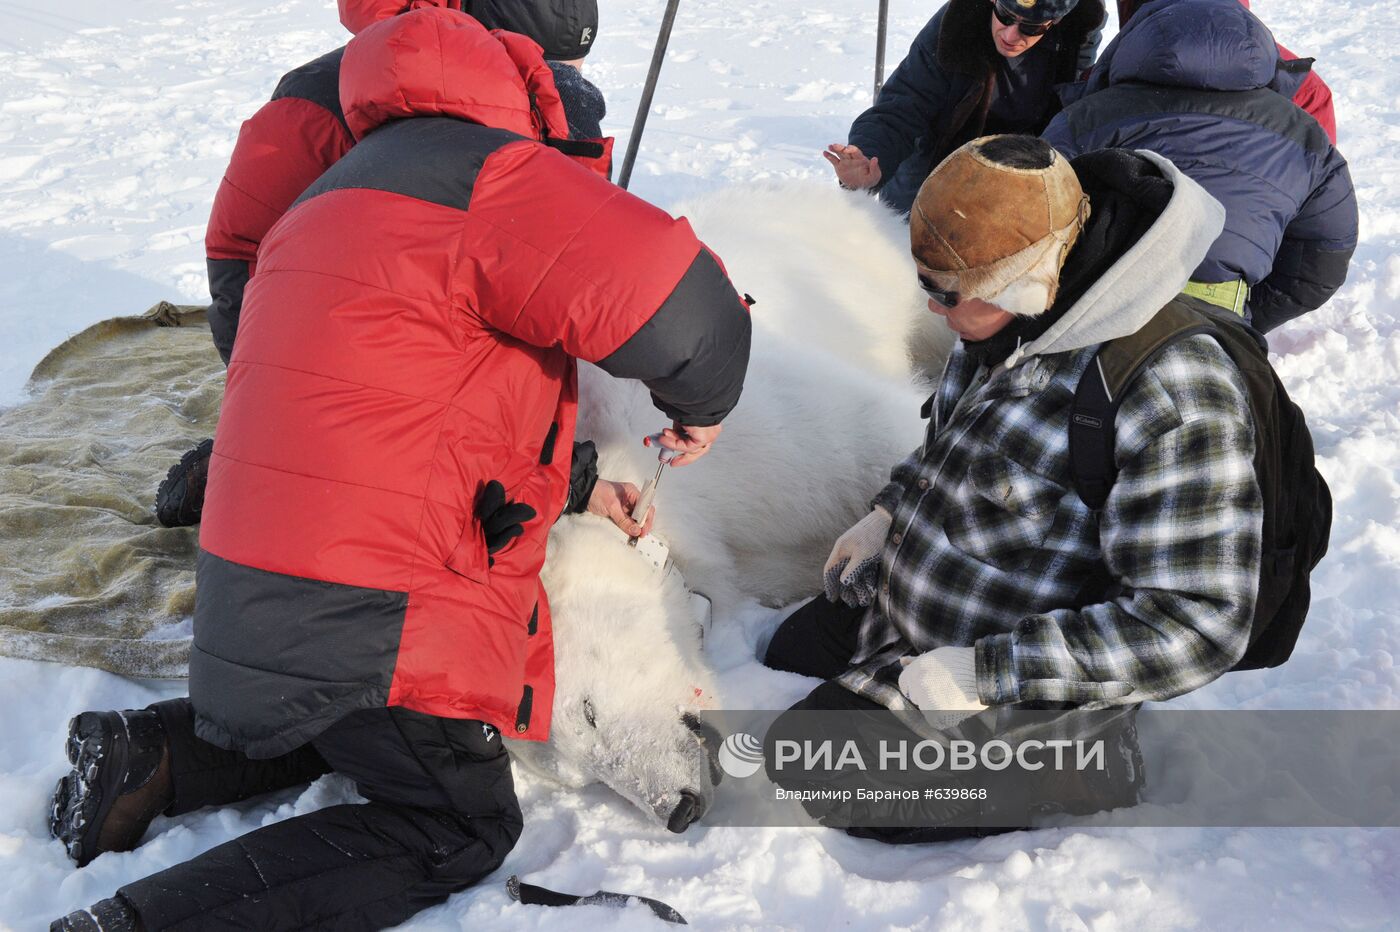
(589, 715)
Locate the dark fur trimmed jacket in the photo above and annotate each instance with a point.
(938, 97)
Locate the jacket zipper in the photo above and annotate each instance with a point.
(527, 698)
(522, 715)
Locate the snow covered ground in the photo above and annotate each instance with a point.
(115, 123)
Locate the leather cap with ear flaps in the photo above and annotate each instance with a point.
(980, 225)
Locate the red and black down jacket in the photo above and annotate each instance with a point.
(410, 335)
(281, 149)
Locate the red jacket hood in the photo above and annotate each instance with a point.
(356, 15)
(432, 61)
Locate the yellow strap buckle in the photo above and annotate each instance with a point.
(1229, 295)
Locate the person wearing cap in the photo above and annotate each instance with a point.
(392, 448)
(1202, 82)
(978, 67)
(566, 31)
(980, 578)
(301, 132)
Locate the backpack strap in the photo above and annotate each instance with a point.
(1297, 505)
(1100, 393)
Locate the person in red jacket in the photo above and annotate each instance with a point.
(1312, 94)
(381, 488)
(298, 134)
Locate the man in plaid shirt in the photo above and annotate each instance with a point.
(980, 578)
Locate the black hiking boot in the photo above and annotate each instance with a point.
(113, 914)
(180, 498)
(120, 781)
(1118, 785)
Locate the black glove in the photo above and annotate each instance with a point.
(501, 521)
(583, 476)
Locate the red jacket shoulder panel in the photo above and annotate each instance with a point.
(587, 263)
(281, 149)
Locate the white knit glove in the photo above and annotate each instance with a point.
(943, 680)
(853, 568)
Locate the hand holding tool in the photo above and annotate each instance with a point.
(639, 511)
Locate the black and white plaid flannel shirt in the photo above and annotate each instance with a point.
(991, 547)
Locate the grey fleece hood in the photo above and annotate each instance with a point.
(1148, 275)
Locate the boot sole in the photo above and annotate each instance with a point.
(98, 749)
(176, 480)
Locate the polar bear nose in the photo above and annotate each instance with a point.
(687, 811)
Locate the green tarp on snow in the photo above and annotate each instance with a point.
(87, 576)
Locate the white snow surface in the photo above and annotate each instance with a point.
(116, 120)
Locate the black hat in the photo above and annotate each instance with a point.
(565, 29)
(1039, 11)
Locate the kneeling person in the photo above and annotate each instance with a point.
(393, 444)
(975, 68)
(980, 578)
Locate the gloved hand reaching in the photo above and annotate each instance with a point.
(853, 568)
(501, 521)
(943, 680)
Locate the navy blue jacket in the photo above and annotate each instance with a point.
(1200, 81)
(938, 97)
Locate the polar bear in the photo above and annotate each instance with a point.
(831, 269)
(842, 345)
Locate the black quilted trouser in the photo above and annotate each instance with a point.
(442, 814)
(818, 640)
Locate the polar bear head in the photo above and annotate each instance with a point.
(629, 677)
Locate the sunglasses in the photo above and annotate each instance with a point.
(1008, 18)
(941, 295)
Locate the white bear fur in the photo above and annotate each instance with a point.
(830, 404)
